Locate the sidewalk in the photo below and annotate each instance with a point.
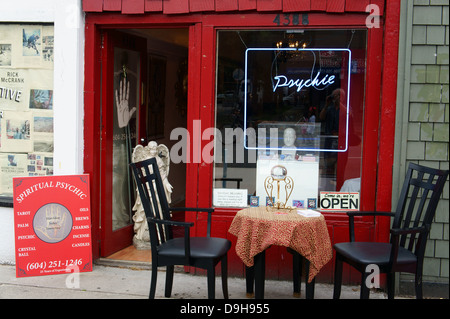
(115, 281)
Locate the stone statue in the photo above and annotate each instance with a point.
(141, 239)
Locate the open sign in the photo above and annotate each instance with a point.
(339, 201)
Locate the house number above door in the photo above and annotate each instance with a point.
(286, 19)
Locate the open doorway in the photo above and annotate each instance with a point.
(160, 98)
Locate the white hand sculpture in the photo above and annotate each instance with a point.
(123, 112)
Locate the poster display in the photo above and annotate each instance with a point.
(26, 102)
(52, 223)
(304, 189)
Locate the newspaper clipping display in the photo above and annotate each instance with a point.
(26, 102)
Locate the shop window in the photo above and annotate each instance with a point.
(288, 104)
(26, 103)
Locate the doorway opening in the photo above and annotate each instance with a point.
(159, 57)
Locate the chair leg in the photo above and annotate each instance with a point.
(391, 285)
(169, 281)
(224, 265)
(365, 292)
(337, 278)
(211, 274)
(153, 281)
(418, 286)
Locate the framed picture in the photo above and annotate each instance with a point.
(254, 201)
(298, 203)
(312, 203)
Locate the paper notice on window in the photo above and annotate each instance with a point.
(16, 132)
(226, 197)
(11, 165)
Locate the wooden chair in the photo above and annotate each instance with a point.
(202, 252)
(416, 208)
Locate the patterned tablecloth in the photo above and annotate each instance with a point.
(257, 228)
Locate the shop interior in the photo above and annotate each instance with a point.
(165, 100)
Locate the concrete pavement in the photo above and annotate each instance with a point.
(132, 281)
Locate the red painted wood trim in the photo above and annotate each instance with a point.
(371, 118)
(318, 5)
(106, 141)
(356, 5)
(380, 4)
(388, 108)
(194, 96)
(91, 158)
(227, 5)
(153, 5)
(133, 7)
(206, 112)
(335, 5)
(186, 6)
(269, 5)
(258, 20)
(112, 5)
(194, 93)
(201, 5)
(93, 5)
(175, 6)
(118, 20)
(296, 5)
(247, 5)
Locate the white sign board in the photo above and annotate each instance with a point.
(339, 201)
(306, 182)
(227, 197)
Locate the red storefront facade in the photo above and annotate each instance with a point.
(206, 23)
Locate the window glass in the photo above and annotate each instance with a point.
(289, 110)
(26, 103)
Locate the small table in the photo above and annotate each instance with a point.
(258, 228)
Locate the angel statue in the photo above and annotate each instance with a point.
(141, 239)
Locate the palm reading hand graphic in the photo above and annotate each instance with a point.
(124, 114)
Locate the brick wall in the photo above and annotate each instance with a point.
(427, 113)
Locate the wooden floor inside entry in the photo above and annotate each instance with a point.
(132, 254)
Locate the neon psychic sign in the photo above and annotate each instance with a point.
(283, 81)
(293, 71)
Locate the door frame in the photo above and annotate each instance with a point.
(114, 240)
(94, 26)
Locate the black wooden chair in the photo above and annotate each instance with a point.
(416, 208)
(201, 252)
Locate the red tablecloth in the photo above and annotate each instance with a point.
(257, 228)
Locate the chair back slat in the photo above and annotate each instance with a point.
(413, 212)
(153, 199)
(417, 204)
